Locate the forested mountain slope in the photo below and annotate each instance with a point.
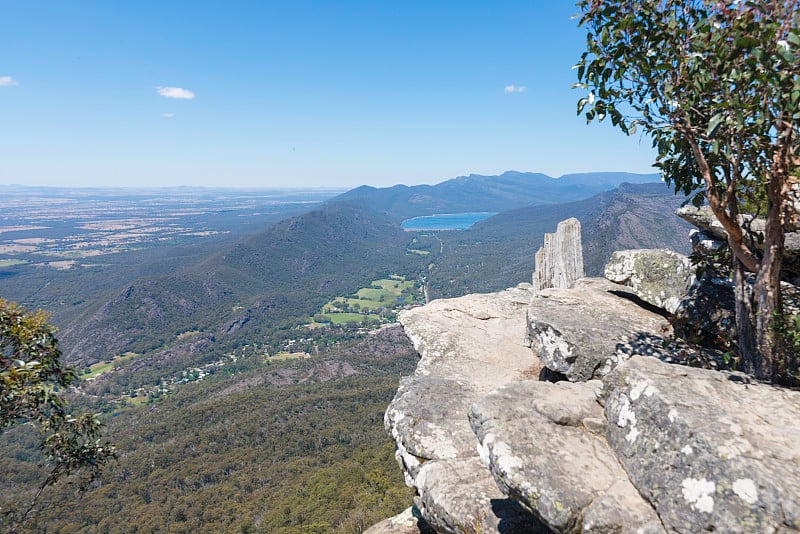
(289, 270)
(286, 447)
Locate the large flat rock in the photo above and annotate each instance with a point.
(709, 450)
(546, 448)
(476, 338)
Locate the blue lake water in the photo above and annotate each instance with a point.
(446, 221)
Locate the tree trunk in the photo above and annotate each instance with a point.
(767, 288)
(743, 297)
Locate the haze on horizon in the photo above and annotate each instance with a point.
(304, 94)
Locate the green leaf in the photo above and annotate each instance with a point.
(714, 124)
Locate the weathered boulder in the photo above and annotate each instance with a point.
(585, 331)
(421, 420)
(406, 522)
(657, 276)
(707, 312)
(704, 219)
(545, 445)
(460, 496)
(468, 347)
(707, 449)
(560, 260)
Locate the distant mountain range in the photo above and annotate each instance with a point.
(289, 270)
(475, 192)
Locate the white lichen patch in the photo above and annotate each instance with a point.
(553, 344)
(627, 419)
(746, 490)
(504, 459)
(626, 415)
(687, 450)
(643, 388)
(699, 493)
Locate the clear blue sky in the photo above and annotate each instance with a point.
(294, 93)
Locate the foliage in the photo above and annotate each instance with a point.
(716, 85)
(248, 452)
(32, 384)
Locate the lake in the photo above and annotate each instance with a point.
(446, 221)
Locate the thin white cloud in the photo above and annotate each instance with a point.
(167, 115)
(8, 81)
(175, 92)
(515, 88)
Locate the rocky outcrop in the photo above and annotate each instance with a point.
(657, 276)
(612, 437)
(585, 331)
(488, 448)
(704, 219)
(734, 470)
(560, 260)
(468, 347)
(545, 445)
(473, 345)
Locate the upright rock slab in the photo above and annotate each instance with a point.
(709, 452)
(560, 260)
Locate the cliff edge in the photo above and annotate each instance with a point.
(562, 410)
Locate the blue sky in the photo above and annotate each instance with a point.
(294, 93)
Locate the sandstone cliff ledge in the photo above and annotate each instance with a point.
(624, 442)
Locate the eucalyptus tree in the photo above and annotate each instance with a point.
(33, 382)
(716, 86)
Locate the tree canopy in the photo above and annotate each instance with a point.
(33, 380)
(716, 86)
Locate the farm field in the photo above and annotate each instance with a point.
(378, 302)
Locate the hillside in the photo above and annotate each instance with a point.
(475, 192)
(253, 448)
(498, 252)
(286, 271)
(292, 268)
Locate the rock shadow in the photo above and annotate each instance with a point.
(514, 519)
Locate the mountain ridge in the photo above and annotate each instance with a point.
(475, 192)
